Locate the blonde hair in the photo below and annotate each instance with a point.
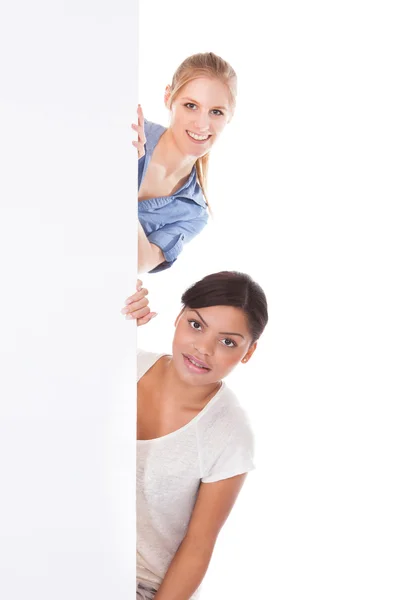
(206, 64)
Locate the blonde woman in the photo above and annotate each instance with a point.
(172, 170)
(194, 442)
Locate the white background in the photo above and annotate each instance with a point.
(305, 190)
(68, 255)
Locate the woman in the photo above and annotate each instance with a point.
(172, 170)
(194, 444)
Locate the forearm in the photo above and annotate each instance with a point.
(186, 571)
(149, 255)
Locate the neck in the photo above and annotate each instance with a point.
(171, 158)
(174, 387)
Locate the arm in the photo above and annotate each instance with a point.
(189, 565)
(149, 255)
(162, 247)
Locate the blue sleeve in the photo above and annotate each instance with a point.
(172, 237)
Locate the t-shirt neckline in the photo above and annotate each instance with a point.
(199, 415)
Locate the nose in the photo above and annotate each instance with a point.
(202, 121)
(204, 346)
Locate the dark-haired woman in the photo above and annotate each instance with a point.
(194, 443)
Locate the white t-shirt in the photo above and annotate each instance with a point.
(216, 444)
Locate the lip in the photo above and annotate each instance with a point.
(193, 368)
(197, 141)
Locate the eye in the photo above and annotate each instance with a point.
(194, 324)
(190, 105)
(229, 343)
(217, 112)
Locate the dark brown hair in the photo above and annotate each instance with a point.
(231, 288)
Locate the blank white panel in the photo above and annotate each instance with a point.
(68, 252)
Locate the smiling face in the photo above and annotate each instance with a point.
(199, 113)
(209, 342)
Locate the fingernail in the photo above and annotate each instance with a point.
(124, 311)
(129, 317)
(153, 315)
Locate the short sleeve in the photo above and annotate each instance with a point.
(237, 455)
(172, 237)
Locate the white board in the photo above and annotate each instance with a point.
(68, 255)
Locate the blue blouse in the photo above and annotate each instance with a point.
(169, 222)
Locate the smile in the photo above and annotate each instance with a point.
(196, 137)
(194, 365)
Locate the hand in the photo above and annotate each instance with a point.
(139, 128)
(136, 306)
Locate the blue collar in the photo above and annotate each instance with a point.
(191, 185)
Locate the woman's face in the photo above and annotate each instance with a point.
(199, 114)
(209, 342)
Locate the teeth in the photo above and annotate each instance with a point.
(199, 138)
(196, 364)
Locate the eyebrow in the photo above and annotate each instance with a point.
(221, 332)
(195, 102)
(231, 333)
(199, 315)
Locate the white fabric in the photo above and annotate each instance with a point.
(143, 592)
(215, 445)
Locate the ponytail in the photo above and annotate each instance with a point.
(202, 172)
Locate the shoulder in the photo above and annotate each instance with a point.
(228, 420)
(236, 414)
(145, 360)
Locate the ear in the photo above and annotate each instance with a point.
(249, 353)
(178, 317)
(167, 95)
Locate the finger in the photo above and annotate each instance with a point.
(139, 284)
(137, 296)
(146, 319)
(141, 138)
(140, 149)
(138, 314)
(140, 116)
(138, 128)
(134, 306)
